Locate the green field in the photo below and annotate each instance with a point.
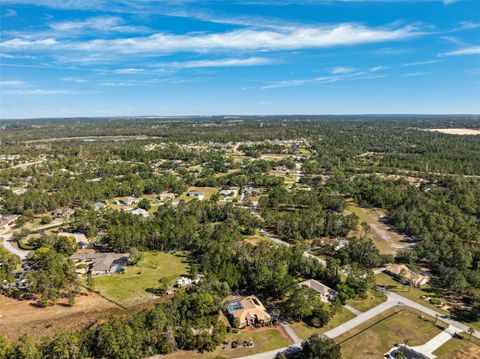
(373, 299)
(382, 336)
(304, 331)
(129, 288)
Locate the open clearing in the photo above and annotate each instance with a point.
(385, 238)
(455, 131)
(381, 335)
(18, 317)
(129, 288)
(264, 339)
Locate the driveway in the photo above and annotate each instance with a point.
(436, 342)
(7, 243)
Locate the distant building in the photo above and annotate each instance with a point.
(248, 311)
(183, 281)
(166, 196)
(231, 192)
(139, 212)
(99, 206)
(197, 194)
(405, 352)
(101, 263)
(326, 294)
(251, 191)
(401, 271)
(128, 201)
(62, 212)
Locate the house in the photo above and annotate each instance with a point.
(248, 311)
(401, 271)
(197, 194)
(101, 263)
(139, 212)
(128, 201)
(406, 352)
(166, 196)
(62, 212)
(251, 191)
(326, 294)
(183, 281)
(99, 206)
(334, 243)
(231, 192)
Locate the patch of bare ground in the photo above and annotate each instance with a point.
(455, 131)
(385, 238)
(18, 317)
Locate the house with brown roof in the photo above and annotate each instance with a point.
(326, 294)
(249, 311)
(100, 263)
(401, 271)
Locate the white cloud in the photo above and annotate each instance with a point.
(13, 83)
(36, 92)
(419, 63)
(129, 71)
(417, 74)
(472, 50)
(98, 23)
(229, 62)
(74, 79)
(341, 70)
(9, 13)
(377, 68)
(449, 2)
(237, 40)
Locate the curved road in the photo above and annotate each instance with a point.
(7, 243)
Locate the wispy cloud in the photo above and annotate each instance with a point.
(419, 63)
(340, 70)
(37, 92)
(74, 79)
(237, 40)
(417, 74)
(13, 83)
(98, 23)
(9, 13)
(472, 50)
(228, 62)
(355, 75)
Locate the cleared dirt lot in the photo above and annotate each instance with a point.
(456, 131)
(23, 317)
(385, 238)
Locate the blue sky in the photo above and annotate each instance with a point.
(67, 58)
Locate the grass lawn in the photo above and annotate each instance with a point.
(373, 299)
(129, 288)
(380, 336)
(413, 293)
(304, 331)
(459, 348)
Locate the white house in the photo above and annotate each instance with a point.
(197, 194)
(139, 212)
(183, 281)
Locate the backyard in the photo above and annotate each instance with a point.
(130, 287)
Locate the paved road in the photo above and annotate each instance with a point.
(283, 243)
(7, 243)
